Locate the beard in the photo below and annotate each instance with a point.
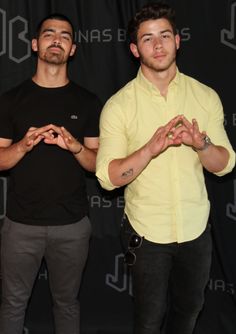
(52, 57)
(156, 65)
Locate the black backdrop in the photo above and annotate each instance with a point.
(103, 64)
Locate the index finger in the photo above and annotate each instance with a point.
(55, 128)
(42, 129)
(187, 123)
(172, 123)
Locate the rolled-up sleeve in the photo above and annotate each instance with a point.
(112, 142)
(217, 133)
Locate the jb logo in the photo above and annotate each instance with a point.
(231, 207)
(120, 280)
(14, 30)
(228, 37)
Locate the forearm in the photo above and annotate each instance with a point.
(214, 158)
(87, 158)
(10, 156)
(124, 171)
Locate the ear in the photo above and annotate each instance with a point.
(34, 45)
(72, 51)
(177, 41)
(134, 50)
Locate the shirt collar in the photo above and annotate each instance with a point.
(148, 85)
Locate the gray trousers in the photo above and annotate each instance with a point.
(65, 250)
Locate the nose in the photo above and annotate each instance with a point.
(57, 39)
(158, 43)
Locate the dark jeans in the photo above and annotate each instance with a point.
(178, 271)
(65, 249)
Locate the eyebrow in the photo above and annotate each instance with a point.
(161, 32)
(166, 30)
(53, 30)
(146, 34)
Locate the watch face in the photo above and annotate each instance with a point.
(207, 140)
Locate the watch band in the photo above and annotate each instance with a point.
(207, 142)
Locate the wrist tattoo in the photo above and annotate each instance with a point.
(128, 173)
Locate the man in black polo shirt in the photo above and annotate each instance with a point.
(48, 136)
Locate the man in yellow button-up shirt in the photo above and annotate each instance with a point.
(155, 138)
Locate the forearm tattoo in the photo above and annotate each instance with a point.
(128, 173)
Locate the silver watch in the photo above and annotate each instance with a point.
(207, 142)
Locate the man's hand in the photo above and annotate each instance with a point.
(164, 137)
(63, 138)
(190, 134)
(32, 137)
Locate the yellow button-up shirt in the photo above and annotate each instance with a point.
(168, 201)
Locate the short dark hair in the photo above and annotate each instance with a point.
(55, 16)
(151, 11)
